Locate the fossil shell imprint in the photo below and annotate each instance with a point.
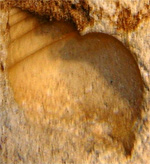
(57, 74)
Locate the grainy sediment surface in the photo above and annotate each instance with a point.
(125, 20)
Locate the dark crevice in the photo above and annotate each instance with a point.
(73, 7)
(2, 67)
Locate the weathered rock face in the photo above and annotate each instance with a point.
(72, 98)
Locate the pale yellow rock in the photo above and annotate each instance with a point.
(80, 99)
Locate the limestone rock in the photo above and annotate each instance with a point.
(67, 98)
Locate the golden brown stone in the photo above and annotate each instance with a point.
(88, 130)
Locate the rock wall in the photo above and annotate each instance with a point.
(24, 142)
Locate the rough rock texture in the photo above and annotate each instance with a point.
(129, 22)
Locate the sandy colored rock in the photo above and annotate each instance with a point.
(36, 46)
